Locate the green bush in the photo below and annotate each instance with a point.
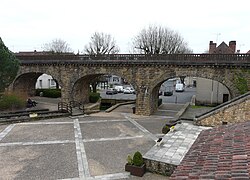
(94, 97)
(165, 129)
(129, 160)
(11, 102)
(137, 159)
(52, 93)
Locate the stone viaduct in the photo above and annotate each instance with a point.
(146, 73)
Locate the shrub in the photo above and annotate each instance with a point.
(94, 97)
(52, 93)
(129, 160)
(11, 102)
(137, 159)
(165, 129)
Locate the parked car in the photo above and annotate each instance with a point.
(128, 90)
(119, 89)
(168, 91)
(111, 91)
(179, 87)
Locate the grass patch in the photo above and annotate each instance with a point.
(197, 106)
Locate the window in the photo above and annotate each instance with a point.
(52, 82)
(41, 83)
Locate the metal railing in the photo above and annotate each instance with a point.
(64, 107)
(76, 104)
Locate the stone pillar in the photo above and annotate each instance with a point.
(66, 90)
(81, 91)
(143, 105)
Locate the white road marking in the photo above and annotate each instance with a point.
(80, 152)
(6, 131)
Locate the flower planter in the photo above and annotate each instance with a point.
(138, 170)
(128, 167)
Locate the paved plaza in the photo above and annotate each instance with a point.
(83, 147)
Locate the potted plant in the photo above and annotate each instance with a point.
(165, 129)
(138, 168)
(129, 163)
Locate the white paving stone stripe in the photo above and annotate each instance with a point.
(36, 143)
(102, 121)
(45, 123)
(124, 175)
(68, 141)
(6, 131)
(112, 139)
(81, 122)
(111, 176)
(145, 131)
(80, 151)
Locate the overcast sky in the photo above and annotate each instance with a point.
(25, 25)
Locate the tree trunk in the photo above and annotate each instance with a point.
(94, 85)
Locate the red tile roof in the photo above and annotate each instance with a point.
(218, 153)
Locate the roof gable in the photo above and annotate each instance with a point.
(223, 48)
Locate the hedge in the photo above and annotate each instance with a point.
(94, 97)
(52, 93)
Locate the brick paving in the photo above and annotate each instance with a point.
(218, 153)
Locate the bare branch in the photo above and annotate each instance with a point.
(57, 46)
(101, 44)
(159, 40)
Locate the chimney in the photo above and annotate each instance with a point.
(232, 45)
(212, 47)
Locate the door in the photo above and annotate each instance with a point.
(225, 97)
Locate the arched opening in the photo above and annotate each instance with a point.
(112, 88)
(39, 87)
(188, 89)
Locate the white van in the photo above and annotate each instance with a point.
(179, 87)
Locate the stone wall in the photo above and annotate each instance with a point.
(234, 112)
(159, 167)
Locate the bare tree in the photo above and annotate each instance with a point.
(159, 40)
(101, 43)
(57, 46)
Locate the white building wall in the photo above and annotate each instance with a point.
(45, 81)
(210, 92)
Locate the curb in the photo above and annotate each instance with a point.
(117, 105)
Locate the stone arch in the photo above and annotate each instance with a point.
(25, 82)
(80, 89)
(80, 85)
(220, 75)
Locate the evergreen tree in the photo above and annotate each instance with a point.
(9, 66)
